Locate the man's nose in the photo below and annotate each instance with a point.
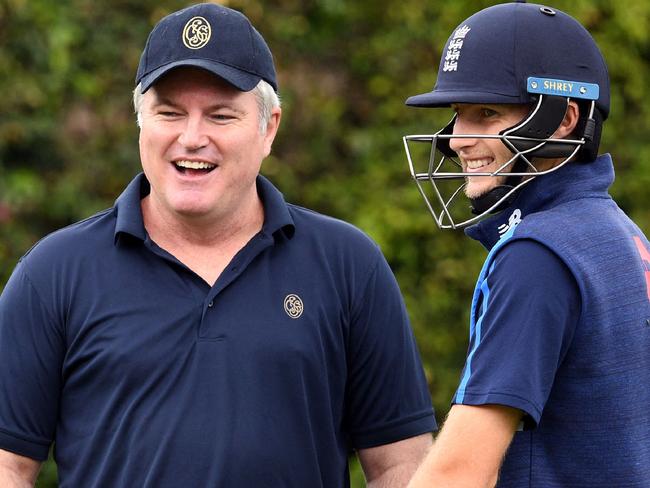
(462, 128)
(194, 133)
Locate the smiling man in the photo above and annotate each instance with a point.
(203, 332)
(556, 371)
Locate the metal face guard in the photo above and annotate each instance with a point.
(441, 180)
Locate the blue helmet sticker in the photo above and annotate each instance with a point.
(573, 89)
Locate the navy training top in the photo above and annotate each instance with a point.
(559, 329)
(144, 375)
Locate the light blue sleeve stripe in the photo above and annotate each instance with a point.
(485, 290)
(475, 326)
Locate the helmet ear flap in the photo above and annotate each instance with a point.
(542, 124)
(442, 144)
(590, 126)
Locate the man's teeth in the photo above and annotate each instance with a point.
(194, 165)
(478, 163)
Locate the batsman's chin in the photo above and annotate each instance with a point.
(479, 186)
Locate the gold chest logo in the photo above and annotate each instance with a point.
(293, 306)
(196, 33)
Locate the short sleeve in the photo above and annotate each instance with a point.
(387, 395)
(31, 351)
(530, 305)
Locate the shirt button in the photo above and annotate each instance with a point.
(210, 304)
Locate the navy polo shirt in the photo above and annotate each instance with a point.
(144, 375)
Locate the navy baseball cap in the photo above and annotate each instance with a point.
(212, 37)
(492, 56)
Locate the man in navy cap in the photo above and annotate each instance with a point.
(202, 332)
(557, 376)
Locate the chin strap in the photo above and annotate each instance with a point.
(483, 203)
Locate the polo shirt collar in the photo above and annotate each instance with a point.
(129, 212)
(130, 221)
(276, 212)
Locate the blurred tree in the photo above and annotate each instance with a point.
(68, 140)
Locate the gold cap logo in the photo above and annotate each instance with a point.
(196, 33)
(293, 306)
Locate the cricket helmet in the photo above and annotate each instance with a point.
(511, 53)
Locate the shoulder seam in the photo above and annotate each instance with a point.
(30, 282)
(61, 229)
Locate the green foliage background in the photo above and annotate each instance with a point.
(68, 140)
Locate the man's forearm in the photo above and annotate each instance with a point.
(17, 471)
(12, 479)
(397, 477)
(444, 473)
(392, 465)
(469, 449)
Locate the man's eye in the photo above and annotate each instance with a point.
(167, 113)
(488, 112)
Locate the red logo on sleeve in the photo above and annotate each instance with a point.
(645, 257)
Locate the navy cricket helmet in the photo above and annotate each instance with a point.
(512, 53)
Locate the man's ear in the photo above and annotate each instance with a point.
(272, 129)
(569, 122)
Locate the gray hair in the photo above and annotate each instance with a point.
(266, 98)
